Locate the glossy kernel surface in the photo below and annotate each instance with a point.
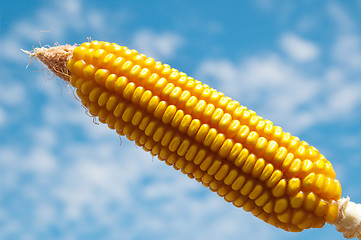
(209, 137)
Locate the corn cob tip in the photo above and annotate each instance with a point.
(55, 58)
(348, 221)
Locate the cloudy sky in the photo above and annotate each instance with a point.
(64, 177)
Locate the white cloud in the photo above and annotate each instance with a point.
(163, 45)
(345, 99)
(347, 51)
(340, 17)
(2, 117)
(299, 49)
(12, 93)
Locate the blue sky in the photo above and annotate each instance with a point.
(64, 177)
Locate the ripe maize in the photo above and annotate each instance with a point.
(209, 137)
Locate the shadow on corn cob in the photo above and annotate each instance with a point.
(208, 136)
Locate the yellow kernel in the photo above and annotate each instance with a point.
(306, 222)
(129, 90)
(222, 172)
(225, 121)
(319, 182)
(261, 145)
(281, 205)
(297, 200)
(177, 118)
(231, 196)
(99, 56)
(258, 167)
(193, 127)
(267, 172)
(271, 149)
(242, 134)
(310, 201)
(247, 188)
(118, 111)
(206, 163)
(214, 167)
(238, 183)
(201, 154)
(257, 190)
(295, 167)
(78, 52)
(190, 104)
(87, 87)
(218, 141)
(208, 112)
(222, 191)
(78, 67)
(108, 60)
(306, 167)
(184, 97)
(261, 200)
(120, 84)
(280, 156)
(287, 162)
(89, 72)
(252, 138)
(249, 163)
(332, 212)
(211, 135)
(103, 98)
(239, 202)
(293, 186)
(301, 152)
(216, 117)
(268, 128)
(285, 217)
(268, 207)
(225, 148)
(293, 144)
(183, 148)
(248, 206)
(174, 144)
(233, 127)
(277, 133)
(280, 189)
(168, 114)
(298, 216)
(321, 208)
(232, 175)
(202, 133)
(112, 103)
(160, 109)
(286, 138)
(199, 108)
(94, 94)
(274, 178)
(137, 118)
(149, 130)
(309, 180)
(241, 158)
(137, 94)
(192, 152)
(236, 149)
(159, 133)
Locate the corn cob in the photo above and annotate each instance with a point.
(209, 137)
